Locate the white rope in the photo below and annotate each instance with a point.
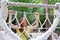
(58, 38)
(52, 28)
(40, 22)
(48, 18)
(33, 23)
(49, 22)
(17, 19)
(13, 18)
(54, 36)
(43, 24)
(7, 30)
(28, 22)
(30, 5)
(24, 18)
(5, 10)
(3, 24)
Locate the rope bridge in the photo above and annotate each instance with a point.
(12, 36)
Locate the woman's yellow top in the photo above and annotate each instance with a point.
(25, 35)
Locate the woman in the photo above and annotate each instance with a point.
(24, 26)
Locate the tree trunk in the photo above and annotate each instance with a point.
(47, 23)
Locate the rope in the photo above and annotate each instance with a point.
(52, 28)
(3, 23)
(30, 5)
(5, 10)
(7, 30)
(16, 18)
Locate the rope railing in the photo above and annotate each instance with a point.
(35, 5)
(8, 34)
(47, 34)
(52, 28)
(37, 28)
(44, 36)
(5, 10)
(18, 12)
(30, 4)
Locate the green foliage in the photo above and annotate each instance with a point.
(21, 9)
(25, 1)
(53, 1)
(42, 18)
(30, 18)
(38, 1)
(58, 29)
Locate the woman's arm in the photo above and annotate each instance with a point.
(11, 13)
(37, 21)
